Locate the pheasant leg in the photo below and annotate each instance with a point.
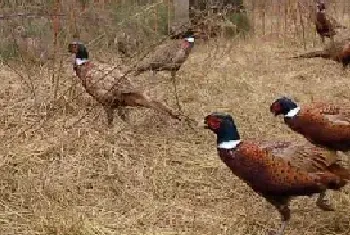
(332, 42)
(154, 73)
(173, 78)
(282, 205)
(322, 39)
(322, 203)
(109, 113)
(343, 156)
(123, 113)
(280, 230)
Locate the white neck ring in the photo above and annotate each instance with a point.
(229, 144)
(293, 112)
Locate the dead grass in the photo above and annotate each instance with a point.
(62, 172)
(82, 179)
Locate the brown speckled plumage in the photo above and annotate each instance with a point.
(278, 170)
(323, 124)
(344, 56)
(168, 56)
(307, 157)
(324, 26)
(111, 88)
(268, 172)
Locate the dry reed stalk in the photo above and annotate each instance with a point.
(222, 30)
(137, 29)
(302, 25)
(286, 9)
(344, 9)
(56, 26)
(170, 4)
(295, 22)
(252, 18)
(278, 23)
(335, 12)
(264, 19)
(272, 20)
(210, 25)
(155, 14)
(73, 17)
(73, 29)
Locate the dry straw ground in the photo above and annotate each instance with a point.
(71, 176)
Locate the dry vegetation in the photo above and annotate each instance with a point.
(62, 172)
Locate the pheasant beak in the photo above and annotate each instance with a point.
(275, 108)
(205, 126)
(70, 47)
(272, 110)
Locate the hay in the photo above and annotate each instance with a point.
(165, 179)
(62, 172)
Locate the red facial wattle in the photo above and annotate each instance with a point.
(213, 123)
(186, 44)
(275, 108)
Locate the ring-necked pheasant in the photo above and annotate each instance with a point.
(81, 55)
(168, 56)
(323, 124)
(277, 170)
(324, 26)
(345, 55)
(110, 87)
(337, 51)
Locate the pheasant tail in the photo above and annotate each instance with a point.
(331, 181)
(340, 171)
(313, 54)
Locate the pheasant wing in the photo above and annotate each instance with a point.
(301, 155)
(338, 114)
(277, 171)
(338, 120)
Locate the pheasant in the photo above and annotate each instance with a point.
(169, 56)
(324, 26)
(337, 51)
(323, 124)
(344, 56)
(111, 88)
(81, 55)
(277, 170)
